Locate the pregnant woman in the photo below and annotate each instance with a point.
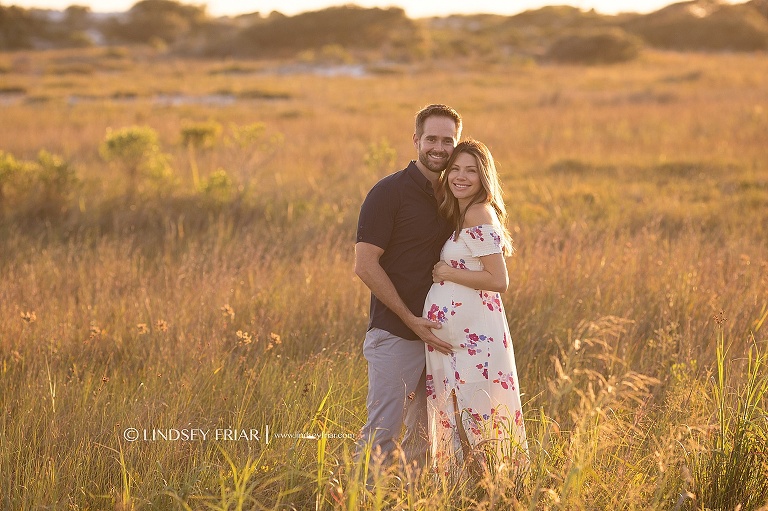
(473, 395)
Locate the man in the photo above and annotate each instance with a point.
(399, 238)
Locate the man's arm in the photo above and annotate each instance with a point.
(369, 270)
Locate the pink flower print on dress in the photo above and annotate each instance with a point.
(498, 420)
(484, 369)
(437, 313)
(473, 342)
(473, 422)
(496, 239)
(506, 380)
(491, 300)
(430, 385)
(518, 418)
(504, 340)
(476, 233)
(444, 420)
(461, 263)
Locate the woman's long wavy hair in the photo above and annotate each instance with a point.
(490, 192)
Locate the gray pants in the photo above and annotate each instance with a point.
(396, 396)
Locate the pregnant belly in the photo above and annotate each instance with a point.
(448, 303)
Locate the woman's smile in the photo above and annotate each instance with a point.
(464, 178)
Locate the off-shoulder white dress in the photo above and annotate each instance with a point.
(481, 372)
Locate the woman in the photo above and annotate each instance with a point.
(473, 395)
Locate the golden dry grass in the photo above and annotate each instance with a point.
(638, 197)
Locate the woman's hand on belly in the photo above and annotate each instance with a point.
(441, 272)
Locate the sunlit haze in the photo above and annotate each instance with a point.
(413, 8)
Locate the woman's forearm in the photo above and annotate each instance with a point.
(477, 279)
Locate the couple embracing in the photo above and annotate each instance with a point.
(431, 243)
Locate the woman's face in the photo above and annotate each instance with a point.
(464, 178)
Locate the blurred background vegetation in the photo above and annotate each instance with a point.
(558, 33)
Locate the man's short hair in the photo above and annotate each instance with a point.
(437, 111)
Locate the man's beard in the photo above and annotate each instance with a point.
(431, 165)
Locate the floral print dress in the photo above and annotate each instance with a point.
(481, 372)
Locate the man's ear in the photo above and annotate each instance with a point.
(415, 141)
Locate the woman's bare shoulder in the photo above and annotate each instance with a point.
(479, 214)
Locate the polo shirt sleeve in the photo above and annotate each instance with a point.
(377, 216)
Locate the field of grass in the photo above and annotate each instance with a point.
(214, 290)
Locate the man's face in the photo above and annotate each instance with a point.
(436, 143)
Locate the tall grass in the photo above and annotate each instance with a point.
(731, 470)
(637, 196)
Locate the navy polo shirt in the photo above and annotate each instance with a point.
(400, 215)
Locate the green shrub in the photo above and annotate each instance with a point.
(136, 150)
(254, 144)
(43, 185)
(10, 167)
(57, 179)
(604, 46)
(347, 26)
(218, 186)
(157, 22)
(200, 134)
(698, 27)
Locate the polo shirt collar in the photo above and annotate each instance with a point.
(413, 171)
